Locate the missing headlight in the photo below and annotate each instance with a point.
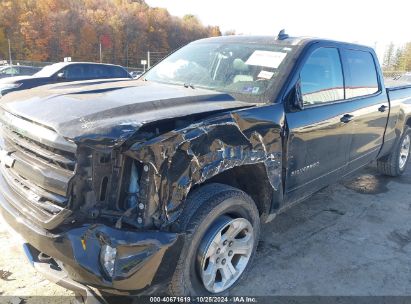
(133, 187)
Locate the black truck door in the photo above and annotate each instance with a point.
(370, 107)
(320, 134)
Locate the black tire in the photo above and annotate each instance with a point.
(203, 207)
(390, 164)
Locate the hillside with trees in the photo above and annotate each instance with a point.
(49, 30)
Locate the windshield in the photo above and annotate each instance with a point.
(10, 71)
(48, 70)
(240, 68)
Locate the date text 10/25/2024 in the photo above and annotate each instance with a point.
(204, 299)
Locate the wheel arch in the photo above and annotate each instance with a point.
(408, 121)
(254, 181)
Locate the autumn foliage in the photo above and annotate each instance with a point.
(49, 30)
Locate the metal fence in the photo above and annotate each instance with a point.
(151, 59)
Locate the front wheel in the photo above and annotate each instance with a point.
(222, 237)
(396, 162)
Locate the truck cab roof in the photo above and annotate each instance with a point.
(292, 41)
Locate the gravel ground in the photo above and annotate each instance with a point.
(350, 239)
(19, 280)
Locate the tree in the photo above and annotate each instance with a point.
(229, 33)
(399, 62)
(406, 57)
(214, 31)
(3, 45)
(402, 60)
(389, 58)
(48, 30)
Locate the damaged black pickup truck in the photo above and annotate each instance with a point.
(160, 184)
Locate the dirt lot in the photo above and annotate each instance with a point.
(352, 238)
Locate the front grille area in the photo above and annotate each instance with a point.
(36, 167)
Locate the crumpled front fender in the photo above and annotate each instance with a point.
(182, 158)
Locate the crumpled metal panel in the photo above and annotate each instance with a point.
(104, 118)
(183, 158)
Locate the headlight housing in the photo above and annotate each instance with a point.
(108, 258)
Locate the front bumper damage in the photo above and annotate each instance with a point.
(144, 263)
(54, 274)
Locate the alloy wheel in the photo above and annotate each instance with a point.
(404, 151)
(225, 252)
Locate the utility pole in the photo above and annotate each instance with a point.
(9, 52)
(148, 60)
(127, 56)
(143, 63)
(101, 59)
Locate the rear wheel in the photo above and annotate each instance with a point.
(396, 162)
(222, 236)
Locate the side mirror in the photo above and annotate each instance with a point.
(60, 76)
(297, 101)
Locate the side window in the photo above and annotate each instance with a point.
(116, 72)
(363, 74)
(100, 71)
(322, 77)
(3, 72)
(74, 72)
(28, 71)
(94, 71)
(11, 71)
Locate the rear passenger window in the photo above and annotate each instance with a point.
(322, 77)
(96, 71)
(363, 74)
(116, 72)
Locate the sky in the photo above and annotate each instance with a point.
(374, 23)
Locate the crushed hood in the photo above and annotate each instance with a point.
(109, 113)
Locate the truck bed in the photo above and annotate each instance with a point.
(392, 84)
